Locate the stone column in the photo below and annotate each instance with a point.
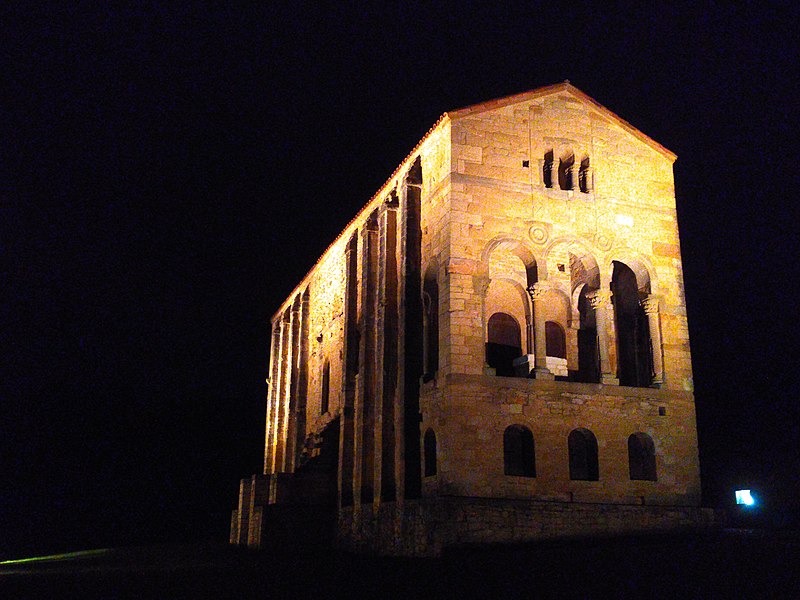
(600, 301)
(529, 331)
(554, 173)
(573, 326)
(588, 179)
(480, 284)
(651, 308)
(537, 292)
(574, 174)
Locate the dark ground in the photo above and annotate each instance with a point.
(728, 564)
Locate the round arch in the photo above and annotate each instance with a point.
(523, 294)
(582, 249)
(641, 267)
(521, 249)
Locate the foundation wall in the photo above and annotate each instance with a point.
(428, 526)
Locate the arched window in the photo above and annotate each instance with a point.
(430, 453)
(325, 399)
(555, 340)
(504, 343)
(519, 457)
(642, 457)
(583, 463)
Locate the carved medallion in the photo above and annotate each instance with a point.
(538, 233)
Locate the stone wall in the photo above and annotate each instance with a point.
(469, 415)
(506, 218)
(428, 526)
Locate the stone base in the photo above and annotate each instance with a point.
(427, 526)
(523, 365)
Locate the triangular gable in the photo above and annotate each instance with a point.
(566, 86)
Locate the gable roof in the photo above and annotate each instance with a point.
(565, 86)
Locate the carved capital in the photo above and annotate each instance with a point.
(538, 290)
(650, 304)
(599, 298)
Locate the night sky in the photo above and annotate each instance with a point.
(170, 172)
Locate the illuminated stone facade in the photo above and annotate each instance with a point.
(494, 349)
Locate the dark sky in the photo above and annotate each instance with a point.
(169, 172)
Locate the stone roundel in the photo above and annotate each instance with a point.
(538, 234)
(603, 242)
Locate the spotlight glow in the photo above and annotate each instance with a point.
(744, 497)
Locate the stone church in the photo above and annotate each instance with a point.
(495, 349)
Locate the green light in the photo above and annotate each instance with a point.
(55, 557)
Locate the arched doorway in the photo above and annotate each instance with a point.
(634, 354)
(504, 343)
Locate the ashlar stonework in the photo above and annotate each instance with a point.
(494, 349)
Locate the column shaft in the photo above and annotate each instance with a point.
(574, 174)
(537, 292)
(480, 283)
(600, 301)
(651, 309)
(554, 173)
